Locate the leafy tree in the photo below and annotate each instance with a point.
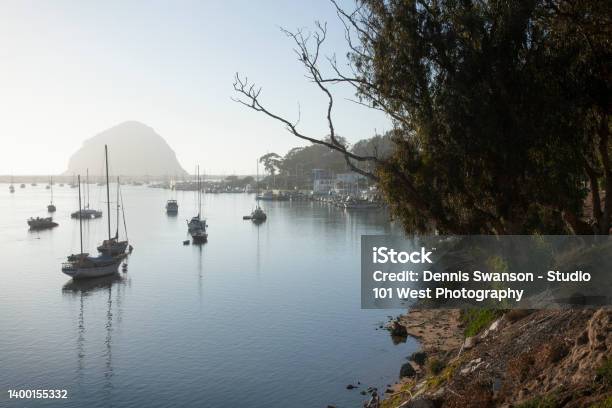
(501, 110)
(271, 162)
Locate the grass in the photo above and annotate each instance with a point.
(607, 403)
(435, 366)
(605, 372)
(475, 320)
(539, 402)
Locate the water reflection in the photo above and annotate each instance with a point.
(88, 290)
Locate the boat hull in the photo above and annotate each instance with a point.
(77, 272)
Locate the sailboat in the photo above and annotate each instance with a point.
(82, 265)
(172, 204)
(258, 215)
(51, 207)
(112, 246)
(197, 225)
(86, 213)
(11, 186)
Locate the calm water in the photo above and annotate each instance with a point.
(260, 316)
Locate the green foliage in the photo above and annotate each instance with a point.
(540, 402)
(475, 320)
(435, 366)
(606, 403)
(605, 372)
(500, 108)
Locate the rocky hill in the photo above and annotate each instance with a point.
(522, 359)
(134, 150)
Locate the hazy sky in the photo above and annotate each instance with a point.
(71, 69)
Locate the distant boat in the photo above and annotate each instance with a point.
(172, 207)
(112, 246)
(197, 225)
(33, 184)
(358, 204)
(258, 215)
(81, 265)
(51, 207)
(22, 186)
(11, 186)
(39, 223)
(86, 213)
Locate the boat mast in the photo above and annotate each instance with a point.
(80, 216)
(199, 194)
(87, 187)
(107, 192)
(117, 233)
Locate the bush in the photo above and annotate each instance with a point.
(475, 320)
(539, 402)
(605, 372)
(435, 366)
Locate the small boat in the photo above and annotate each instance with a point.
(39, 223)
(112, 246)
(86, 213)
(258, 215)
(22, 186)
(197, 225)
(358, 204)
(51, 207)
(11, 186)
(172, 207)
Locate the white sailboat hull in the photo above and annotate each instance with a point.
(77, 272)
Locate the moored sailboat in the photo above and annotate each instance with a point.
(82, 265)
(51, 207)
(86, 213)
(197, 225)
(39, 223)
(258, 215)
(112, 246)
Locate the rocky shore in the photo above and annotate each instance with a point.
(521, 358)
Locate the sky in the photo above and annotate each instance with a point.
(71, 69)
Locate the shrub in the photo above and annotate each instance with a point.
(475, 320)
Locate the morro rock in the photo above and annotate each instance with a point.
(134, 150)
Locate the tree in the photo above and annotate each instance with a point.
(271, 162)
(501, 110)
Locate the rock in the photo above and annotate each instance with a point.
(154, 157)
(389, 391)
(350, 387)
(418, 357)
(407, 370)
(397, 329)
(363, 392)
(420, 402)
(495, 325)
(469, 343)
